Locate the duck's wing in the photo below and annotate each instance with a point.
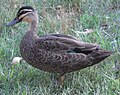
(51, 45)
(84, 54)
(69, 44)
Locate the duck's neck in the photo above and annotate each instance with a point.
(33, 28)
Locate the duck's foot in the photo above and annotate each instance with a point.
(59, 81)
(55, 82)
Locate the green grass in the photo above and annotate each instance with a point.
(102, 16)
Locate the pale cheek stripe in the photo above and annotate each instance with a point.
(20, 17)
(26, 10)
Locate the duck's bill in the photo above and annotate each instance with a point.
(15, 21)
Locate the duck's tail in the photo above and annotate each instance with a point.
(99, 55)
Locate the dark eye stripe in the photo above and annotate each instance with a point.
(21, 13)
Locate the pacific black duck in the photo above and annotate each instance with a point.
(55, 53)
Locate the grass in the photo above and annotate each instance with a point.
(102, 16)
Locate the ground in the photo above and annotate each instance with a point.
(72, 17)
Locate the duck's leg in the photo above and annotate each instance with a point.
(61, 79)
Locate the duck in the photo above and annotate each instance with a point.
(55, 53)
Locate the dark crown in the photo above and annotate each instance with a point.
(28, 9)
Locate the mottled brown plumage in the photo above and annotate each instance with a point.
(55, 53)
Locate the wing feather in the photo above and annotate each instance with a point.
(59, 42)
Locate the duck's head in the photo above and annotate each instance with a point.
(25, 13)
